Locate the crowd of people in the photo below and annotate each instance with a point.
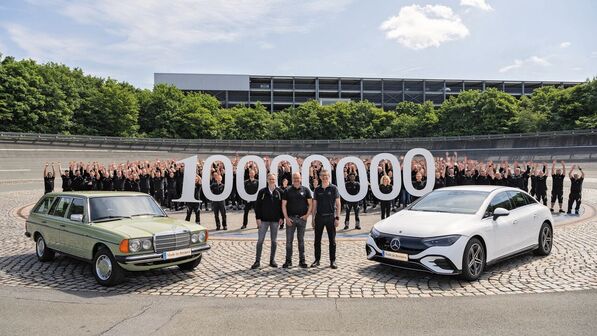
(285, 200)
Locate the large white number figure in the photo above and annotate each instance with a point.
(188, 183)
(206, 174)
(307, 163)
(362, 179)
(408, 159)
(395, 174)
(240, 176)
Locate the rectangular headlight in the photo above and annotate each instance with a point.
(441, 241)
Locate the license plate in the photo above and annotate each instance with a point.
(395, 255)
(176, 254)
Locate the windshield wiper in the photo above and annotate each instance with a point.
(109, 218)
(147, 214)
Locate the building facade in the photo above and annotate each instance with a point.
(280, 92)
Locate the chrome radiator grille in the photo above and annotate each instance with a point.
(171, 241)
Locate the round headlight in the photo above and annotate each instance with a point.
(195, 238)
(202, 236)
(134, 245)
(146, 244)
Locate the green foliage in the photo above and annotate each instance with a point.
(53, 98)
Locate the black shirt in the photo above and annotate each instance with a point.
(353, 187)
(557, 182)
(385, 189)
(66, 182)
(326, 199)
(296, 198)
(541, 184)
(576, 185)
(216, 189)
(251, 186)
(49, 184)
(440, 182)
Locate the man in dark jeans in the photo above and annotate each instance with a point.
(195, 207)
(219, 207)
(296, 206)
(326, 214)
(268, 214)
(575, 189)
(49, 178)
(251, 186)
(352, 187)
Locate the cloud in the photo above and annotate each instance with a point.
(480, 4)
(533, 60)
(565, 44)
(419, 27)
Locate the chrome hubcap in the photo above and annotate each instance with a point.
(103, 267)
(41, 246)
(546, 241)
(475, 259)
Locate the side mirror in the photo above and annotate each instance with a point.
(499, 212)
(76, 218)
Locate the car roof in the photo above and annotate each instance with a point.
(91, 194)
(485, 188)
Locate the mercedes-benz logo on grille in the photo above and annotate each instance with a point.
(395, 244)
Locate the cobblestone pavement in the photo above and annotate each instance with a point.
(225, 271)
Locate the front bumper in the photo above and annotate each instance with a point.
(156, 260)
(445, 260)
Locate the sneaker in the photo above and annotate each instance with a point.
(358, 227)
(273, 264)
(218, 228)
(333, 265)
(255, 265)
(243, 227)
(315, 263)
(225, 228)
(576, 212)
(569, 212)
(303, 264)
(551, 210)
(561, 211)
(287, 264)
(345, 226)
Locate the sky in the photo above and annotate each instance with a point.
(129, 40)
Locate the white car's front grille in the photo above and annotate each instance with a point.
(171, 241)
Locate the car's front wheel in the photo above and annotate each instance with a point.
(43, 252)
(189, 266)
(105, 269)
(473, 260)
(545, 240)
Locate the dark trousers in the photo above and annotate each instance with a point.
(327, 222)
(541, 196)
(571, 199)
(349, 206)
(170, 195)
(557, 195)
(193, 208)
(219, 209)
(299, 225)
(385, 209)
(158, 195)
(248, 207)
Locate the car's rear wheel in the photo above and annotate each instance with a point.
(43, 252)
(105, 269)
(189, 266)
(473, 260)
(545, 240)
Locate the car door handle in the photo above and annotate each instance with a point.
(62, 225)
(43, 221)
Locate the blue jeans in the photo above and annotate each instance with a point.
(262, 231)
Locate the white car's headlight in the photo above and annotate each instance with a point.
(374, 233)
(441, 241)
(134, 245)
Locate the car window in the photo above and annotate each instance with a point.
(501, 200)
(60, 206)
(44, 206)
(451, 201)
(530, 200)
(517, 199)
(77, 207)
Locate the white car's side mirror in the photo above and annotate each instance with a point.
(76, 218)
(499, 212)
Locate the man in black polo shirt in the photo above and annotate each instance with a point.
(352, 187)
(557, 185)
(49, 178)
(296, 206)
(66, 178)
(326, 214)
(195, 207)
(219, 207)
(575, 189)
(251, 186)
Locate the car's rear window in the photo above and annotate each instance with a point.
(44, 206)
(451, 201)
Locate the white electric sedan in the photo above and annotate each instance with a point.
(459, 230)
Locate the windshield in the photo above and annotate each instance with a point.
(118, 207)
(451, 201)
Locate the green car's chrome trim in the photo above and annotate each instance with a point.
(153, 257)
(69, 231)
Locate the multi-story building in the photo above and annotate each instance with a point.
(280, 92)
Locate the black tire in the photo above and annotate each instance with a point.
(189, 266)
(42, 251)
(472, 270)
(545, 240)
(105, 269)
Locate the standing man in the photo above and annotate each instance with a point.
(195, 207)
(218, 207)
(575, 189)
(268, 213)
(352, 187)
(557, 185)
(66, 178)
(49, 179)
(251, 186)
(296, 206)
(326, 214)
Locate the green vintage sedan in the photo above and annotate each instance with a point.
(115, 231)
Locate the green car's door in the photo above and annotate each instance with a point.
(75, 234)
(55, 223)
(40, 221)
